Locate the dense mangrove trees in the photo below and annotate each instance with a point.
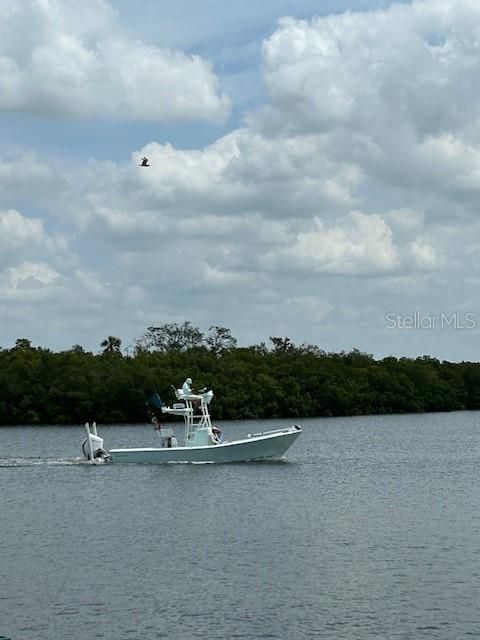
(278, 379)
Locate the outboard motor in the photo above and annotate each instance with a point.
(92, 446)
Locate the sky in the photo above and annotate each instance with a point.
(314, 172)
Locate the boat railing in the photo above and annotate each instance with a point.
(177, 411)
(197, 421)
(187, 396)
(271, 431)
(204, 396)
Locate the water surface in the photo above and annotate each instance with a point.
(369, 529)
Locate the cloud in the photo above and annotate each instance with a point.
(23, 176)
(240, 175)
(357, 244)
(368, 69)
(346, 196)
(28, 282)
(392, 90)
(73, 59)
(424, 254)
(31, 274)
(360, 103)
(18, 232)
(21, 236)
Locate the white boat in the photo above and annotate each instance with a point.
(202, 442)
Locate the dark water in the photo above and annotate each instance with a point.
(371, 529)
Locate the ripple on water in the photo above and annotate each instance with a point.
(370, 529)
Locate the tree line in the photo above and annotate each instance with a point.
(278, 379)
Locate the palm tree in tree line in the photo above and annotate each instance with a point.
(111, 345)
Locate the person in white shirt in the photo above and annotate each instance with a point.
(187, 387)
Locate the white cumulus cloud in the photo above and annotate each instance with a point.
(72, 58)
(22, 237)
(358, 244)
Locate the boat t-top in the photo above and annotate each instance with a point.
(202, 442)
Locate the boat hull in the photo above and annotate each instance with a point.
(257, 447)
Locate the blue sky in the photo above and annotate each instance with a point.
(315, 168)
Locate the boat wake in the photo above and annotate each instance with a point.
(39, 462)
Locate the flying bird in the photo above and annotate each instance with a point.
(144, 162)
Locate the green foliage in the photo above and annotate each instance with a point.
(38, 386)
(111, 346)
(171, 337)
